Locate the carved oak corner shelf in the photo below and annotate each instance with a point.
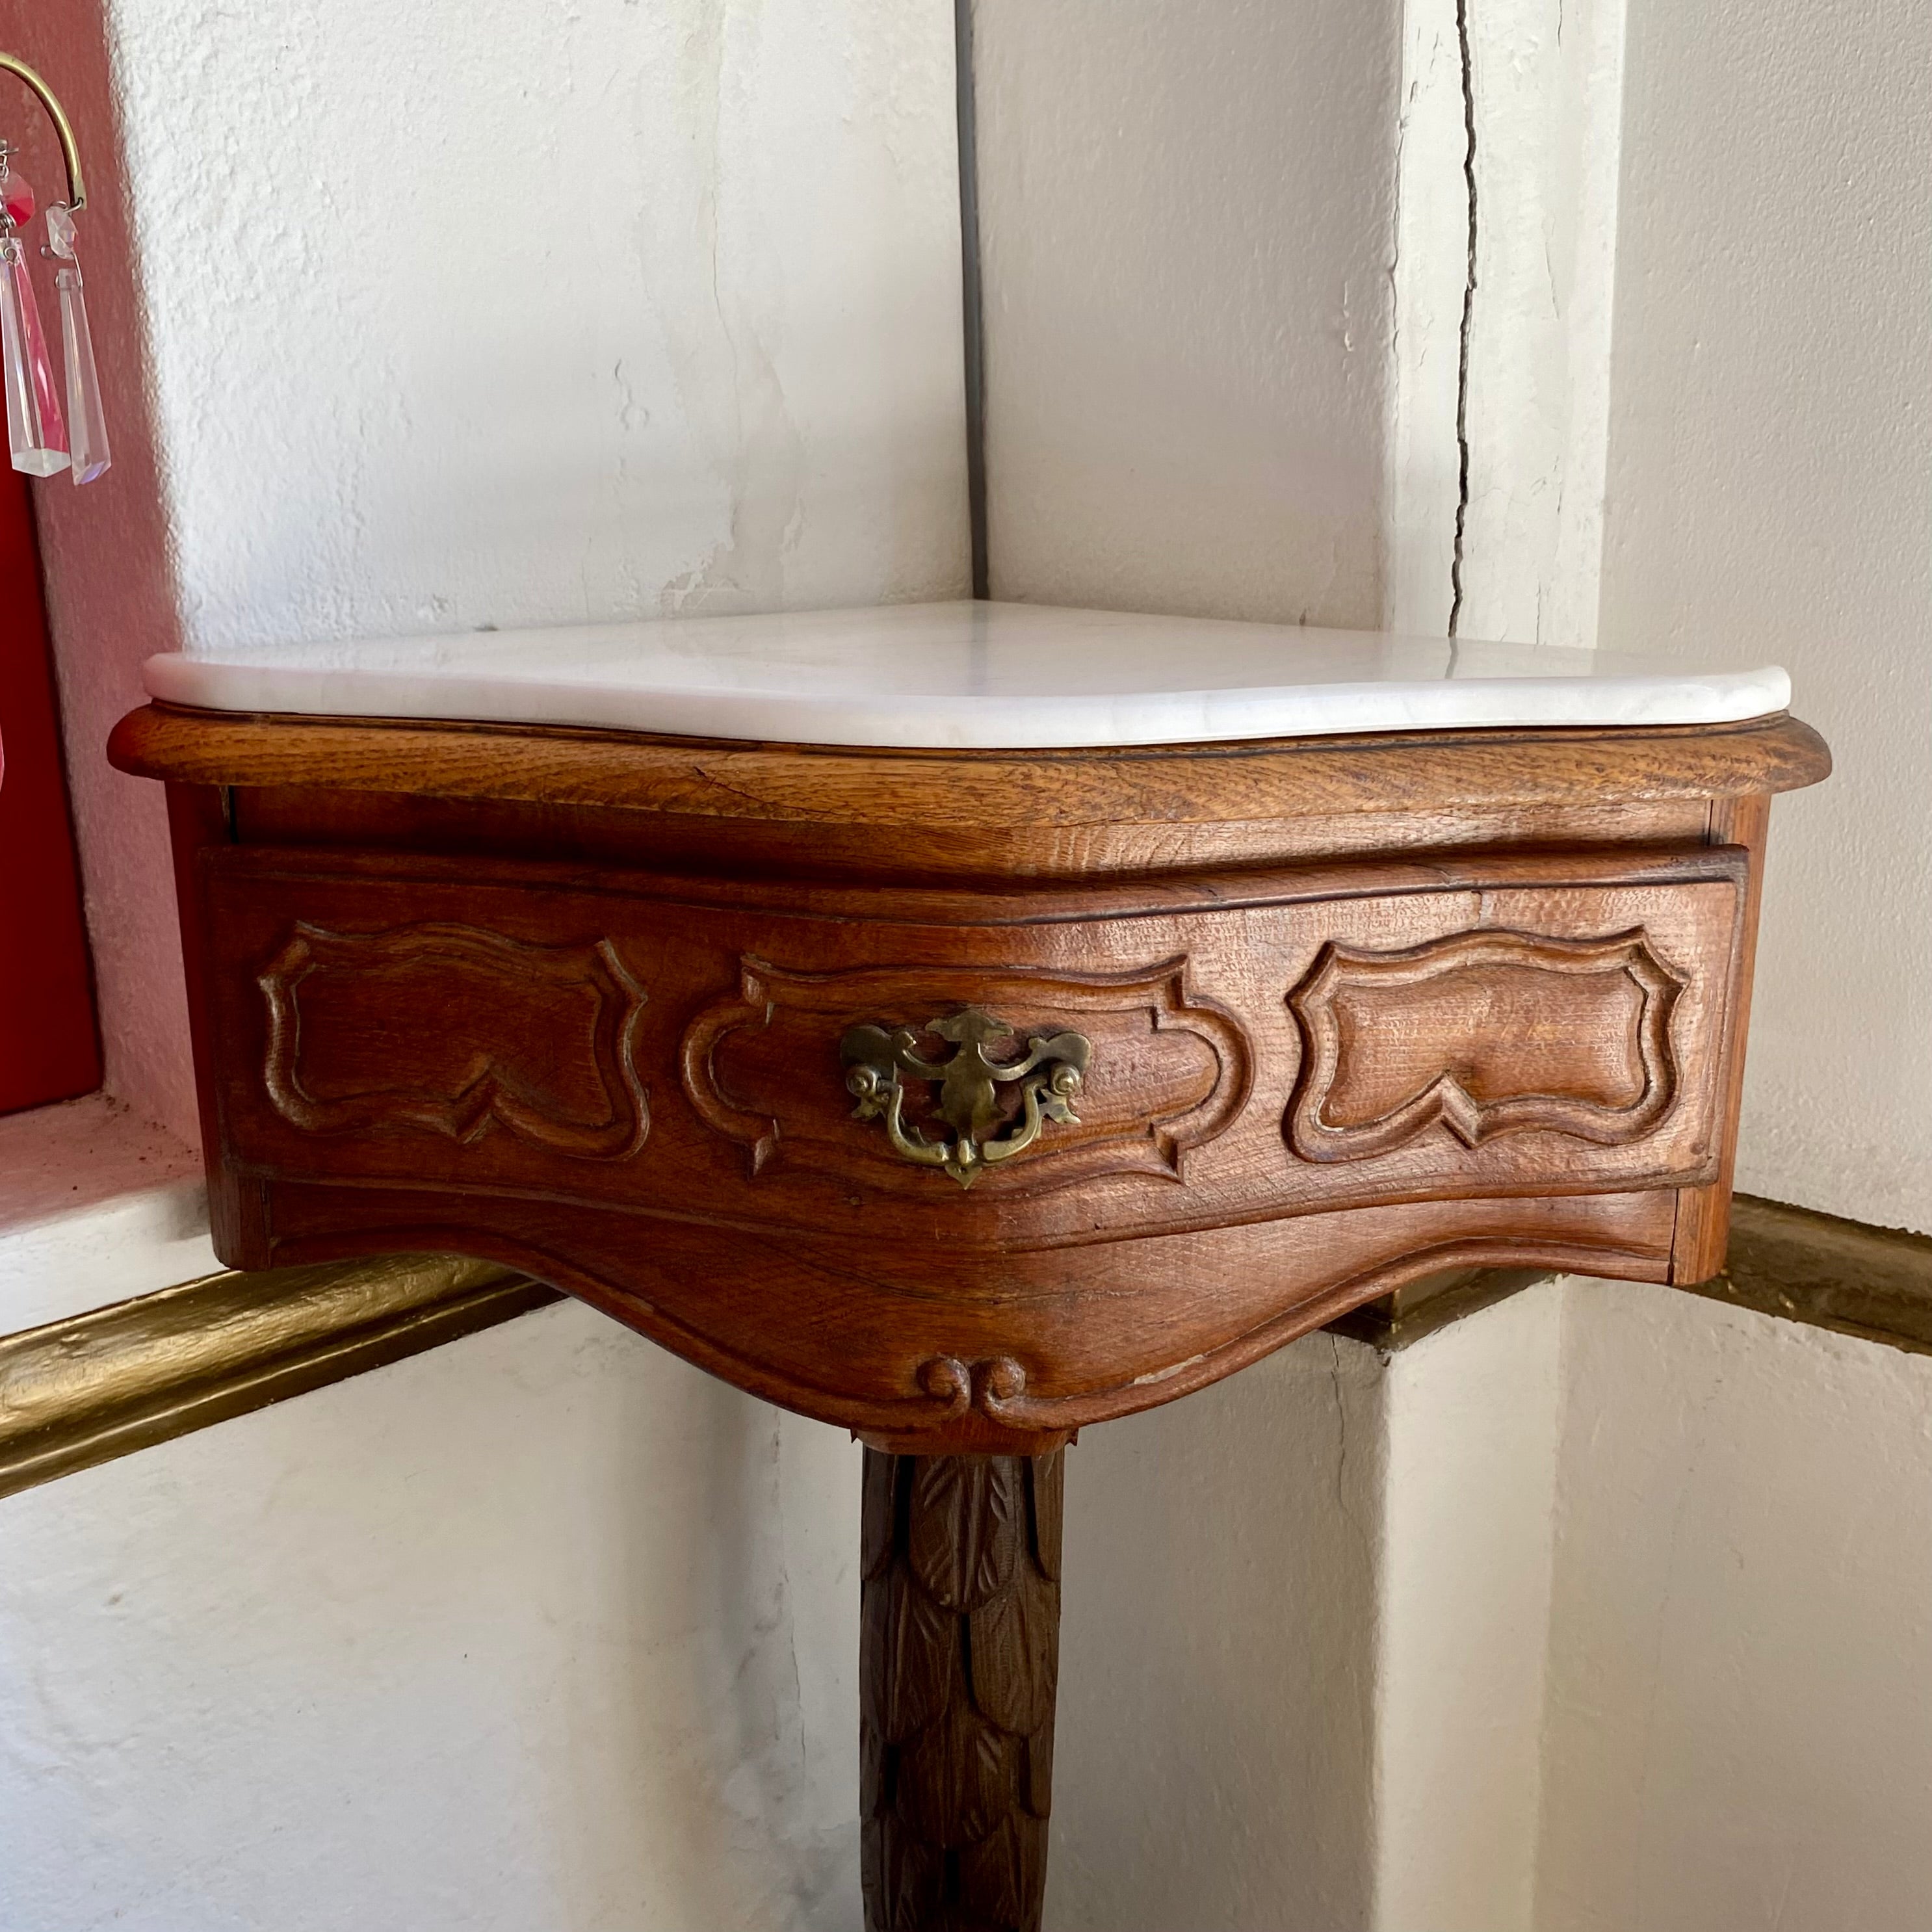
(967, 1099)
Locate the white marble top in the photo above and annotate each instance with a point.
(948, 676)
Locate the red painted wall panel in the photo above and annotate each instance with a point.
(49, 1048)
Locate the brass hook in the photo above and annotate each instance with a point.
(76, 189)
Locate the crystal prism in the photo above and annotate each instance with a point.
(34, 430)
(86, 421)
(17, 197)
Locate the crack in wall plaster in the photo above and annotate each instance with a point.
(1469, 325)
(1363, 1535)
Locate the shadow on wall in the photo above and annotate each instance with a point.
(1220, 1567)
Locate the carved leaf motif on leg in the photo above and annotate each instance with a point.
(1003, 1876)
(965, 1526)
(960, 1630)
(1015, 1658)
(958, 1780)
(901, 1875)
(1038, 1794)
(916, 1641)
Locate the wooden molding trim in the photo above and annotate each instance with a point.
(1165, 784)
(1393, 1322)
(1875, 1283)
(1846, 1276)
(95, 1386)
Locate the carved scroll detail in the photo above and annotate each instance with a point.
(454, 1029)
(1488, 1033)
(959, 1667)
(1147, 1104)
(993, 1387)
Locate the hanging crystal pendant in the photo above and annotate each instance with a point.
(35, 432)
(86, 420)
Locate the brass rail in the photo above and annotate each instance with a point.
(76, 185)
(95, 1386)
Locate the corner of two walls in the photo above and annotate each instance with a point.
(1184, 218)
(1217, 1740)
(1474, 1419)
(1313, 1624)
(1739, 1723)
(1651, 1620)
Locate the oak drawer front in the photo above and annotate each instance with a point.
(1248, 1048)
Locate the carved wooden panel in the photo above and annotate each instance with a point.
(456, 1030)
(1514, 1040)
(838, 1279)
(1169, 1073)
(528, 1040)
(1483, 1033)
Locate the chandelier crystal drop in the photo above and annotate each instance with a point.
(51, 425)
(36, 433)
(87, 421)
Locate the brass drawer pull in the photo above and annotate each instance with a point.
(1050, 1073)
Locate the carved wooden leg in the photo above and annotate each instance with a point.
(959, 1660)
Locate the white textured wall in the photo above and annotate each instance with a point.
(1738, 1724)
(1186, 215)
(541, 1632)
(511, 315)
(1740, 1708)
(1738, 1721)
(1771, 499)
(1463, 1591)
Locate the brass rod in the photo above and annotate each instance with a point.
(76, 188)
(90, 1387)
